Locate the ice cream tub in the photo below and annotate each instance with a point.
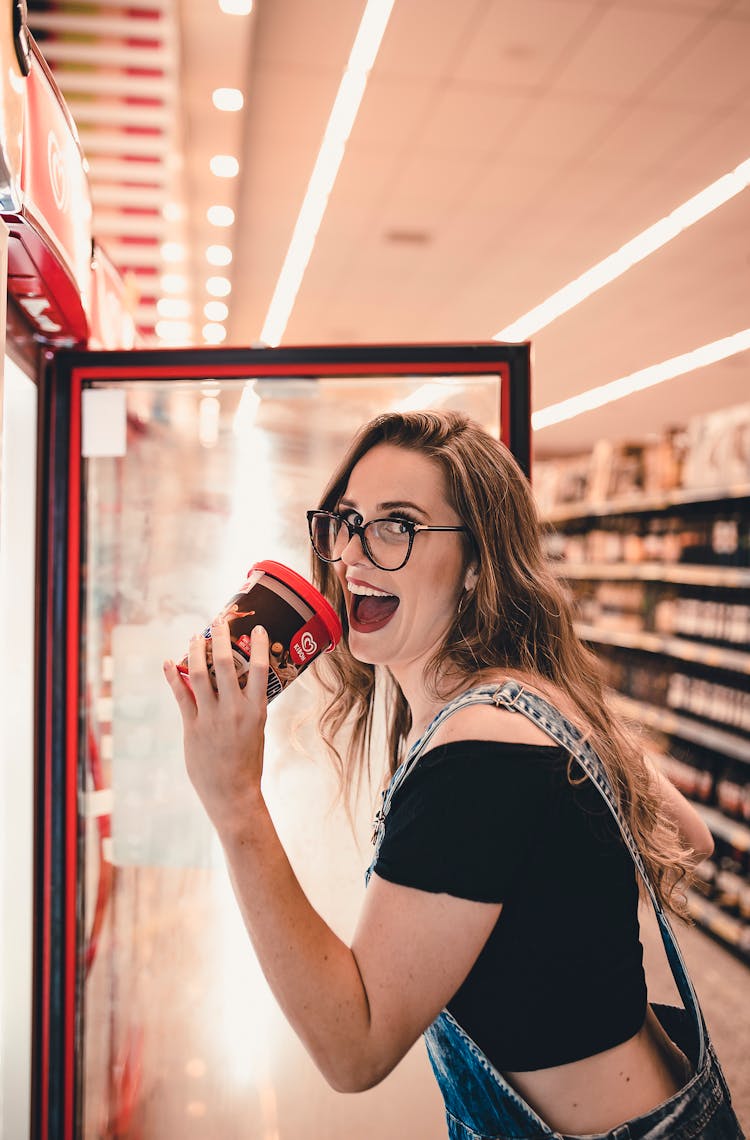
(299, 621)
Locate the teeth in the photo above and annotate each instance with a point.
(367, 591)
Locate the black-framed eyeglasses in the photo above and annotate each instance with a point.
(386, 542)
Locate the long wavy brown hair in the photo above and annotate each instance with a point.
(517, 621)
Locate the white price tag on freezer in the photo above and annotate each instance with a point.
(103, 423)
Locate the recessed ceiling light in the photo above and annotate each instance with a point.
(173, 332)
(218, 255)
(228, 99)
(224, 166)
(214, 333)
(236, 7)
(173, 307)
(173, 251)
(216, 311)
(218, 286)
(220, 215)
(173, 283)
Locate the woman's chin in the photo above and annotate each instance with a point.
(362, 647)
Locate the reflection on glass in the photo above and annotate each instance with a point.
(181, 1034)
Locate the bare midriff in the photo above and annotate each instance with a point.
(598, 1093)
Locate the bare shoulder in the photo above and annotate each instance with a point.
(486, 722)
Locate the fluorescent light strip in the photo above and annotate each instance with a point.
(637, 381)
(628, 255)
(341, 120)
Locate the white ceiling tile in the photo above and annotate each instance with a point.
(711, 72)
(392, 111)
(521, 43)
(301, 34)
(646, 135)
(424, 188)
(627, 47)
(296, 105)
(560, 128)
(701, 6)
(474, 119)
(423, 36)
(722, 143)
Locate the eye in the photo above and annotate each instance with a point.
(348, 514)
(394, 530)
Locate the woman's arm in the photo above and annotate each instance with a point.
(359, 1008)
(693, 831)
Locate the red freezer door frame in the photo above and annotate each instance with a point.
(60, 766)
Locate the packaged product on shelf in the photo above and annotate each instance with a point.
(724, 704)
(572, 482)
(626, 477)
(745, 902)
(725, 540)
(717, 452)
(733, 791)
(665, 613)
(620, 606)
(694, 782)
(731, 859)
(710, 620)
(662, 461)
(705, 878)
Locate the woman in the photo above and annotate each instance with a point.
(500, 916)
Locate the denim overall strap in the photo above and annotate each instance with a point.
(480, 695)
(511, 695)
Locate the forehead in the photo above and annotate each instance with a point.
(388, 473)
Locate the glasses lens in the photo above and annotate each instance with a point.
(324, 530)
(388, 541)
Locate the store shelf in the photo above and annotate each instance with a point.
(738, 834)
(713, 655)
(723, 926)
(664, 720)
(647, 504)
(729, 577)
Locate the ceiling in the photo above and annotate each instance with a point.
(501, 149)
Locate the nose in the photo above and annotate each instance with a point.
(353, 554)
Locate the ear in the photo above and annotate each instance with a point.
(472, 577)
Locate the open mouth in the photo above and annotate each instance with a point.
(370, 610)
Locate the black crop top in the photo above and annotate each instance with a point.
(561, 975)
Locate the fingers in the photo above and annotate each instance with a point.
(181, 688)
(226, 674)
(257, 684)
(200, 682)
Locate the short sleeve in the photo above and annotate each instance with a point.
(466, 820)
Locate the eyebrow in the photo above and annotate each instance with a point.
(389, 506)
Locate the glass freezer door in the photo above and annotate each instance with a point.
(167, 475)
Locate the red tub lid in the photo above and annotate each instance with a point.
(307, 592)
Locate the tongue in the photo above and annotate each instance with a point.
(372, 609)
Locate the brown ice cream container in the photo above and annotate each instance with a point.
(300, 624)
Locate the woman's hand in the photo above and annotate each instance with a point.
(223, 730)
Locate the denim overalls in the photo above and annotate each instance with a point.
(480, 1104)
